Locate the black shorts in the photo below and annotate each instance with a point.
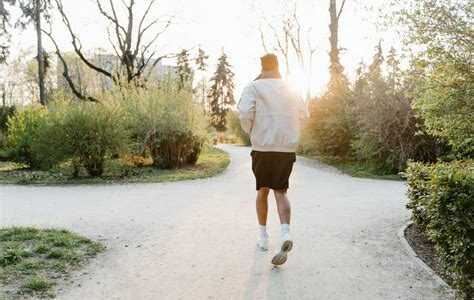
(272, 169)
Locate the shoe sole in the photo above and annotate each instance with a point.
(281, 257)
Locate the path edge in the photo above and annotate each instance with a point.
(419, 261)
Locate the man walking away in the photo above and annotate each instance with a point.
(271, 112)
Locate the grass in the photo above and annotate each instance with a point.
(211, 162)
(356, 168)
(33, 260)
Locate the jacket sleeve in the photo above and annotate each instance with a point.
(302, 109)
(246, 107)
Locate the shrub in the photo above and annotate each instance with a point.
(23, 130)
(84, 133)
(167, 124)
(445, 193)
(89, 132)
(5, 113)
(328, 131)
(417, 181)
(442, 30)
(235, 127)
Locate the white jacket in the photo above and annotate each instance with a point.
(270, 111)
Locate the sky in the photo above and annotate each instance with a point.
(232, 26)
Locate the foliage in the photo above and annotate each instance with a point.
(85, 133)
(329, 130)
(236, 128)
(221, 93)
(388, 131)
(27, 16)
(167, 123)
(444, 93)
(5, 113)
(441, 196)
(201, 59)
(23, 130)
(200, 90)
(211, 162)
(417, 181)
(185, 73)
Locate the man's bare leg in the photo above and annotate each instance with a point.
(262, 213)
(283, 206)
(284, 211)
(262, 205)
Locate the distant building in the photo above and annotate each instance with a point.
(90, 81)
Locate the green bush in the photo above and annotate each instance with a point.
(417, 181)
(444, 87)
(168, 124)
(328, 130)
(84, 133)
(441, 196)
(5, 113)
(235, 127)
(23, 130)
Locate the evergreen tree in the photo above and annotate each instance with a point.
(201, 90)
(184, 70)
(222, 93)
(394, 71)
(31, 12)
(201, 59)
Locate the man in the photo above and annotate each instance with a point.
(271, 112)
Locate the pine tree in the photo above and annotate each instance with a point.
(201, 59)
(201, 90)
(394, 71)
(184, 70)
(222, 93)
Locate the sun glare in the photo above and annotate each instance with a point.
(298, 81)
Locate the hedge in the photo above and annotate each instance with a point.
(441, 197)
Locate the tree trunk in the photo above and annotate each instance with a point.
(4, 95)
(40, 53)
(335, 67)
(333, 29)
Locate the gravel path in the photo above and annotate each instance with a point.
(196, 239)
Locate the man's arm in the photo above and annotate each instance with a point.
(246, 107)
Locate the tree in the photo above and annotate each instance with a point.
(32, 12)
(388, 131)
(201, 89)
(201, 59)
(4, 36)
(289, 41)
(445, 81)
(330, 127)
(185, 72)
(221, 93)
(137, 55)
(336, 69)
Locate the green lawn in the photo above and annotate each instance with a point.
(211, 162)
(356, 168)
(33, 260)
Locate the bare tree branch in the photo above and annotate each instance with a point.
(66, 75)
(262, 38)
(78, 47)
(340, 10)
(109, 17)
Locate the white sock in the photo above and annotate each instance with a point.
(263, 231)
(285, 228)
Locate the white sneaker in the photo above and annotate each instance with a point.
(262, 243)
(286, 245)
